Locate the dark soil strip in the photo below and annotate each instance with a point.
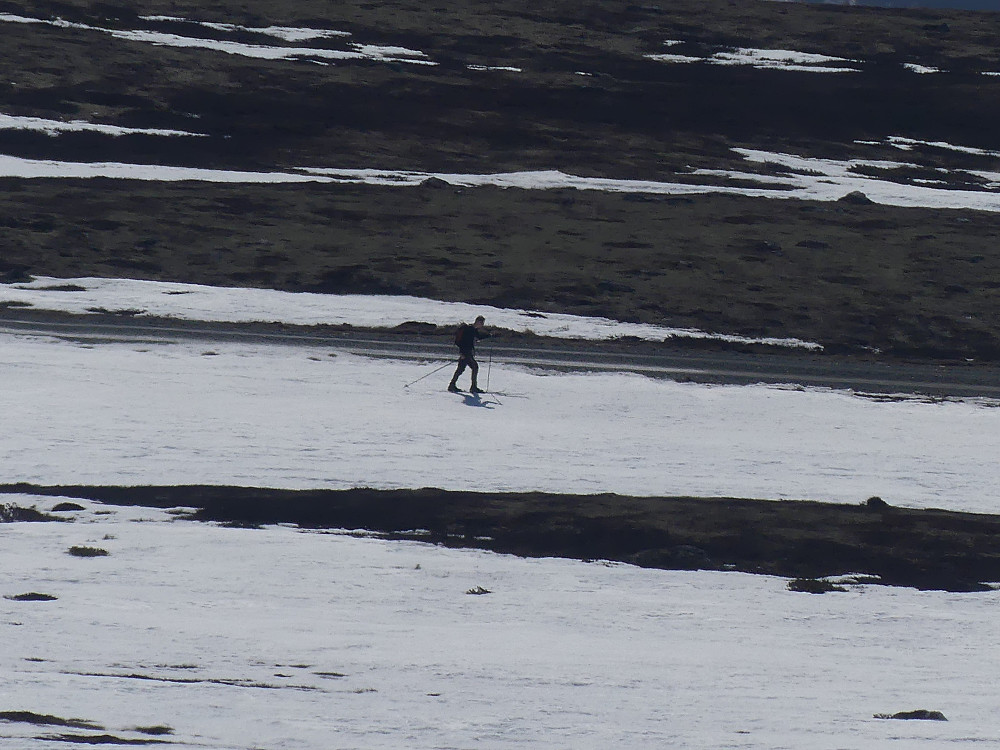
(197, 681)
(99, 739)
(30, 717)
(926, 549)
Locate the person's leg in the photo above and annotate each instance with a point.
(452, 386)
(474, 366)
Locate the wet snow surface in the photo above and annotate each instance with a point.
(279, 638)
(285, 417)
(276, 638)
(790, 176)
(198, 302)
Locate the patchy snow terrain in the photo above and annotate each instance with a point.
(204, 636)
(129, 626)
(276, 416)
(798, 177)
(199, 302)
(355, 51)
(276, 638)
(273, 415)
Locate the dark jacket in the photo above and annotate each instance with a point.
(465, 338)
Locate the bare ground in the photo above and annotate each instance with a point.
(853, 277)
(906, 282)
(928, 549)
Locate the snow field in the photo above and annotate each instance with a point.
(278, 638)
(297, 417)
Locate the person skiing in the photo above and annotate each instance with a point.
(465, 340)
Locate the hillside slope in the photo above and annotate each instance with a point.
(678, 94)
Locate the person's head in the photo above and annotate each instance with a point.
(479, 322)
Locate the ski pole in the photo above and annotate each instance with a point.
(489, 367)
(428, 374)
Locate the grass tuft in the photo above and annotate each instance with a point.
(813, 586)
(32, 596)
(10, 513)
(30, 717)
(155, 730)
(88, 552)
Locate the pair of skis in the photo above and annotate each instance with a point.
(478, 393)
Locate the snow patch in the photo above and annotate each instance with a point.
(506, 68)
(55, 127)
(14, 166)
(908, 144)
(920, 69)
(197, 302)
(286, 33)
(374, 53)
(763, 59)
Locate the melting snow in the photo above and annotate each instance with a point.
(196, 302)
(802, 178)
(920, 69)
(774, 59)
(358, 642)
(668, 58)
(782, 60)
(506, 68)
(293, 416)
(287, 33)
(54, 127)
(357, 52)
(277, 638)
(805, 179)
(13, 166)
(908, 144)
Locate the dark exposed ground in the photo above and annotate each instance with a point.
(906, 281)
(930, 549)
(914, 282)
(857, 278)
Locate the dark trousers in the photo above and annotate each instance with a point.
(467, 359)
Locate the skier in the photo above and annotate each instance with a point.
(465, 340)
